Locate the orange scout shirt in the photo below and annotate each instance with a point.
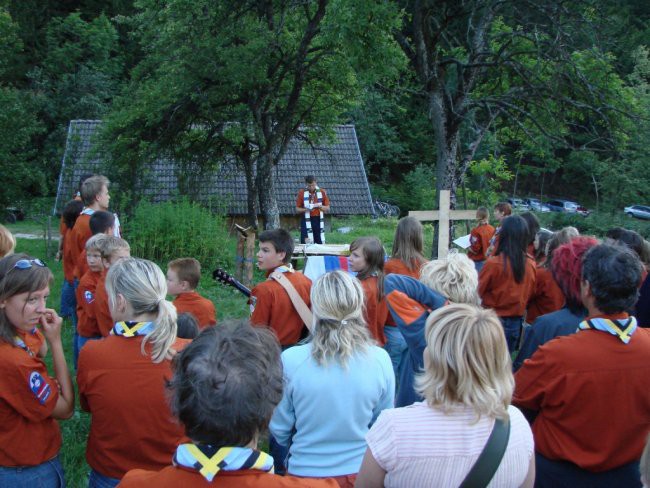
(499, 291)
(274, 308)
(592, 393)
(68, 255)
(376, 311)
(313, 198)
(397, 266)
(80, 234)
(548, 296)
(479, 239)
(202, 308)
(29, 435)
(86, 301)
(174, 477)
(131, 423)
(102, 312)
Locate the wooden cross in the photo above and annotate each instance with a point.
(443, 216)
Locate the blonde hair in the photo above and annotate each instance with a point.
(144, 287)
(108, 246)
(95, 242)
(7, 241)
(340, 330)
(466, 361)
(455, 277)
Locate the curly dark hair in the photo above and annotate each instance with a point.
(613, 272)
(227, 383)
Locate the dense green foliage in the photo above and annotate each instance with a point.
(557, 92)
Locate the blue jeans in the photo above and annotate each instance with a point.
(279, 453)
(563, 474)
(98, 480)
(46, 475)
(396, 348)
(512, 328)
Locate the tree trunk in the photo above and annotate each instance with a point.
(266, 191)
(446, 150)
(251, 192)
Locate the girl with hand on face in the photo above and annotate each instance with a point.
(30, 400)
(367, 260)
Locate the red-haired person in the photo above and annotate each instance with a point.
(31, 400)
(507, 281)
(566, 270)
(589, 392)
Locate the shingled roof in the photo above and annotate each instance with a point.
(338, 168)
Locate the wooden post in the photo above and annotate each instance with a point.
(443, 217)
(245, 254)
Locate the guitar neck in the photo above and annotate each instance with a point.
(223, 277)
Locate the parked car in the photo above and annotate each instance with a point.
(536, 205)
(563, 206)
(584, 211)
(638, 211)
(517, 203)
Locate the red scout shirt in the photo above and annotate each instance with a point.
(499, 291)
(174, 477)
(300, 201)
(397, 266)
(102, 311)
(548, 296)
(376, 311)
(479, 239)
(274, 308)
(131, 423)
(202, 308)
(86, 302)
(592, 393)
(80, 234)
(29, 435)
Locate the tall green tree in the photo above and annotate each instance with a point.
(243, 79)
(488, 63)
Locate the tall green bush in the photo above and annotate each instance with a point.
(165, 231)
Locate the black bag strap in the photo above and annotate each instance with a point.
(490, 458)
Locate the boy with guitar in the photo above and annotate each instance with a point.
(271, 301)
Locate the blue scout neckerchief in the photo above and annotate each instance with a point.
(622, 328)
(310, 232)
(208, 460)
(132, 329)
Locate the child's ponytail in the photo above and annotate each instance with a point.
(143, 285)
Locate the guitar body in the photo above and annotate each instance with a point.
(227, 279)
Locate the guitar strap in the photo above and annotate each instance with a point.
(298, 303)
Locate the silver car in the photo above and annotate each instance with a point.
(638, 211)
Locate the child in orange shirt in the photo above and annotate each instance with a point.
(507, 280)
(480, 238)
(367, 260)
(31, 400)
(112, 249)
(183, 275)
(122, 377)
(407, 259)
(270, 302)
(87, 328)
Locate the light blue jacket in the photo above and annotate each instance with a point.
(326, 411)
